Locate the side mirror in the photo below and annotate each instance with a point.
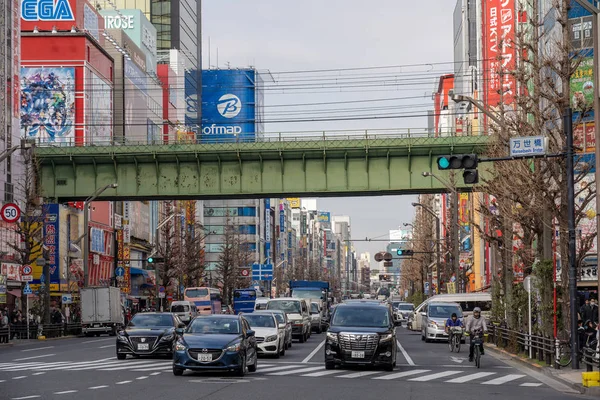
(423, 313)
(250, 333)
(282, 326)
(179, 331)
(181, 325)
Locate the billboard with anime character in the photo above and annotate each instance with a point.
(48, 104)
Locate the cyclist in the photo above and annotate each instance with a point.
(475, 323)
(452, 322)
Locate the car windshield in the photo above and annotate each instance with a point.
(260, 306)
(215, 326)
(444, 311)
(151, 320)
(369, 317)
(404, 307)
(314, 308)
(260, 321)
(280, 318)
(307, 294)
(196, 292)
(288, 306)
(180, 308)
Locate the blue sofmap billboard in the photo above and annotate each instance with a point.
(231, 105)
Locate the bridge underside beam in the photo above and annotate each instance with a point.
(74, 174)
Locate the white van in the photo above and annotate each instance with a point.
(466, 301)
(185, 310)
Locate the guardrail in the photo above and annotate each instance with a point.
(591, 358)
(19, 332)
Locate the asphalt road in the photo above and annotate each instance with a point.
(86, 368)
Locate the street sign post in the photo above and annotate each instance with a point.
(528, 146)
(10, 213)
(245, 272)
(67, 298)
(262, 272)
(119, 271)
(26, 292)
(26, 271)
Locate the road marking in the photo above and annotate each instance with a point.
(35, 396)
(139, 364)
(31, 358)
(312, 353)
(20, 377)
(503, 379)
(109, 365)
(97, 340)
(323, 373)
(107, 346)
(98, 387)
(467, 378)
(529, 384)
(435, 376)
(297, 371)
(279, 368)
(39, 366)
(402, 374)
(139, 378)
(38, 373)
(38, 348)
(156, 373)
(66, 392)
(360, 374)
(2, 381)
(19, 367)
(405, 354)
(122, 382)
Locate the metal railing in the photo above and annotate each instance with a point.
(267, 137)
(19, 332)
(591, 358)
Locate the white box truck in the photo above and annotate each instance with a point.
(101, 310)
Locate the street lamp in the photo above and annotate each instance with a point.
(437, 236)
(86, 242)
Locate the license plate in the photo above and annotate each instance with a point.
(143, 346)
(204, 357)
(358, 354)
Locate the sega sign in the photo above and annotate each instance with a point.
(47, 10)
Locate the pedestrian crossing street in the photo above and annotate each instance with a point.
(410, 374)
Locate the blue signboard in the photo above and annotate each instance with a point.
(51, 239)
(229, 105)
(262, 272)
(267, 226)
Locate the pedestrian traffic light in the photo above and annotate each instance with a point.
(155, 260)
(405, 253)
(457, 161)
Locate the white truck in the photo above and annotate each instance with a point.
(101, 311)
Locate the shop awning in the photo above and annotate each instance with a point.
(139, 271)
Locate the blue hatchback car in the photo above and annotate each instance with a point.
(216, 343)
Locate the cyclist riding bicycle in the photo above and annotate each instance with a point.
(475, 323)
(452, 322)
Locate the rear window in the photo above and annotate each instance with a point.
(180, 308)
(468, 306)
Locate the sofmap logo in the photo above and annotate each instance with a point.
(46, 10)
(229, 105)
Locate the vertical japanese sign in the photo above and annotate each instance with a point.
(122, 255)
(499, 25)
(51, 232)
(267, 227)
(2, 289)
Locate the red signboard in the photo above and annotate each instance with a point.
(499, 25)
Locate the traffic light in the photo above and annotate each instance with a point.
(468, 162)
(405, 253)
(155, 260)
(385, 278)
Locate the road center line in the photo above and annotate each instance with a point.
(20, 377)
(312, 353)
(38, 348)
(98, 387)
(31, 358)
(122, 382)
(66, 392)
(107, 346)
(35, 396)
(97, 340)
(405, 354)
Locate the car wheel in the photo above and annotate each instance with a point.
(278, 354)
(253, 367)
(329, 365)
(177, 371)
(282, 350)
(290, 344)
(389, 367)
(242, 371)
(319, 330)
(121, 356)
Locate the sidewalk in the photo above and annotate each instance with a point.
(21, 342)
(568, 376)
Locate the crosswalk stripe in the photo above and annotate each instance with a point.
(435, 376)
(108, 365)
(298, 371)
(323, 373)
(141, 367)
(17, 365)
(49, 365)
(137, 364)
(83, 364)
(503, 379)
(402, 374)
(530, 384)
(359, 374)
(467, 378)
(279, 368)
(23, 367)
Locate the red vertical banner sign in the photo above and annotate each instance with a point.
(499, 25)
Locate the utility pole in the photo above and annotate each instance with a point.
(454, 236)
(46, 272)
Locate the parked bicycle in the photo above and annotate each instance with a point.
(588, 338)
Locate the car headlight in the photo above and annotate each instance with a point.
(386, 337)
(180, 346)
(234, 347)
(271, 338)
(432, 324)
(168, 337)
(297, 322)
(121, 336)
(332, 336)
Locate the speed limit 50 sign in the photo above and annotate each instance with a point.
(10, 212)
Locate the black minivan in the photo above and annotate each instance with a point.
(361, 333)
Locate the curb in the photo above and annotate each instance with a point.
(30, 341)
(548, 371)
